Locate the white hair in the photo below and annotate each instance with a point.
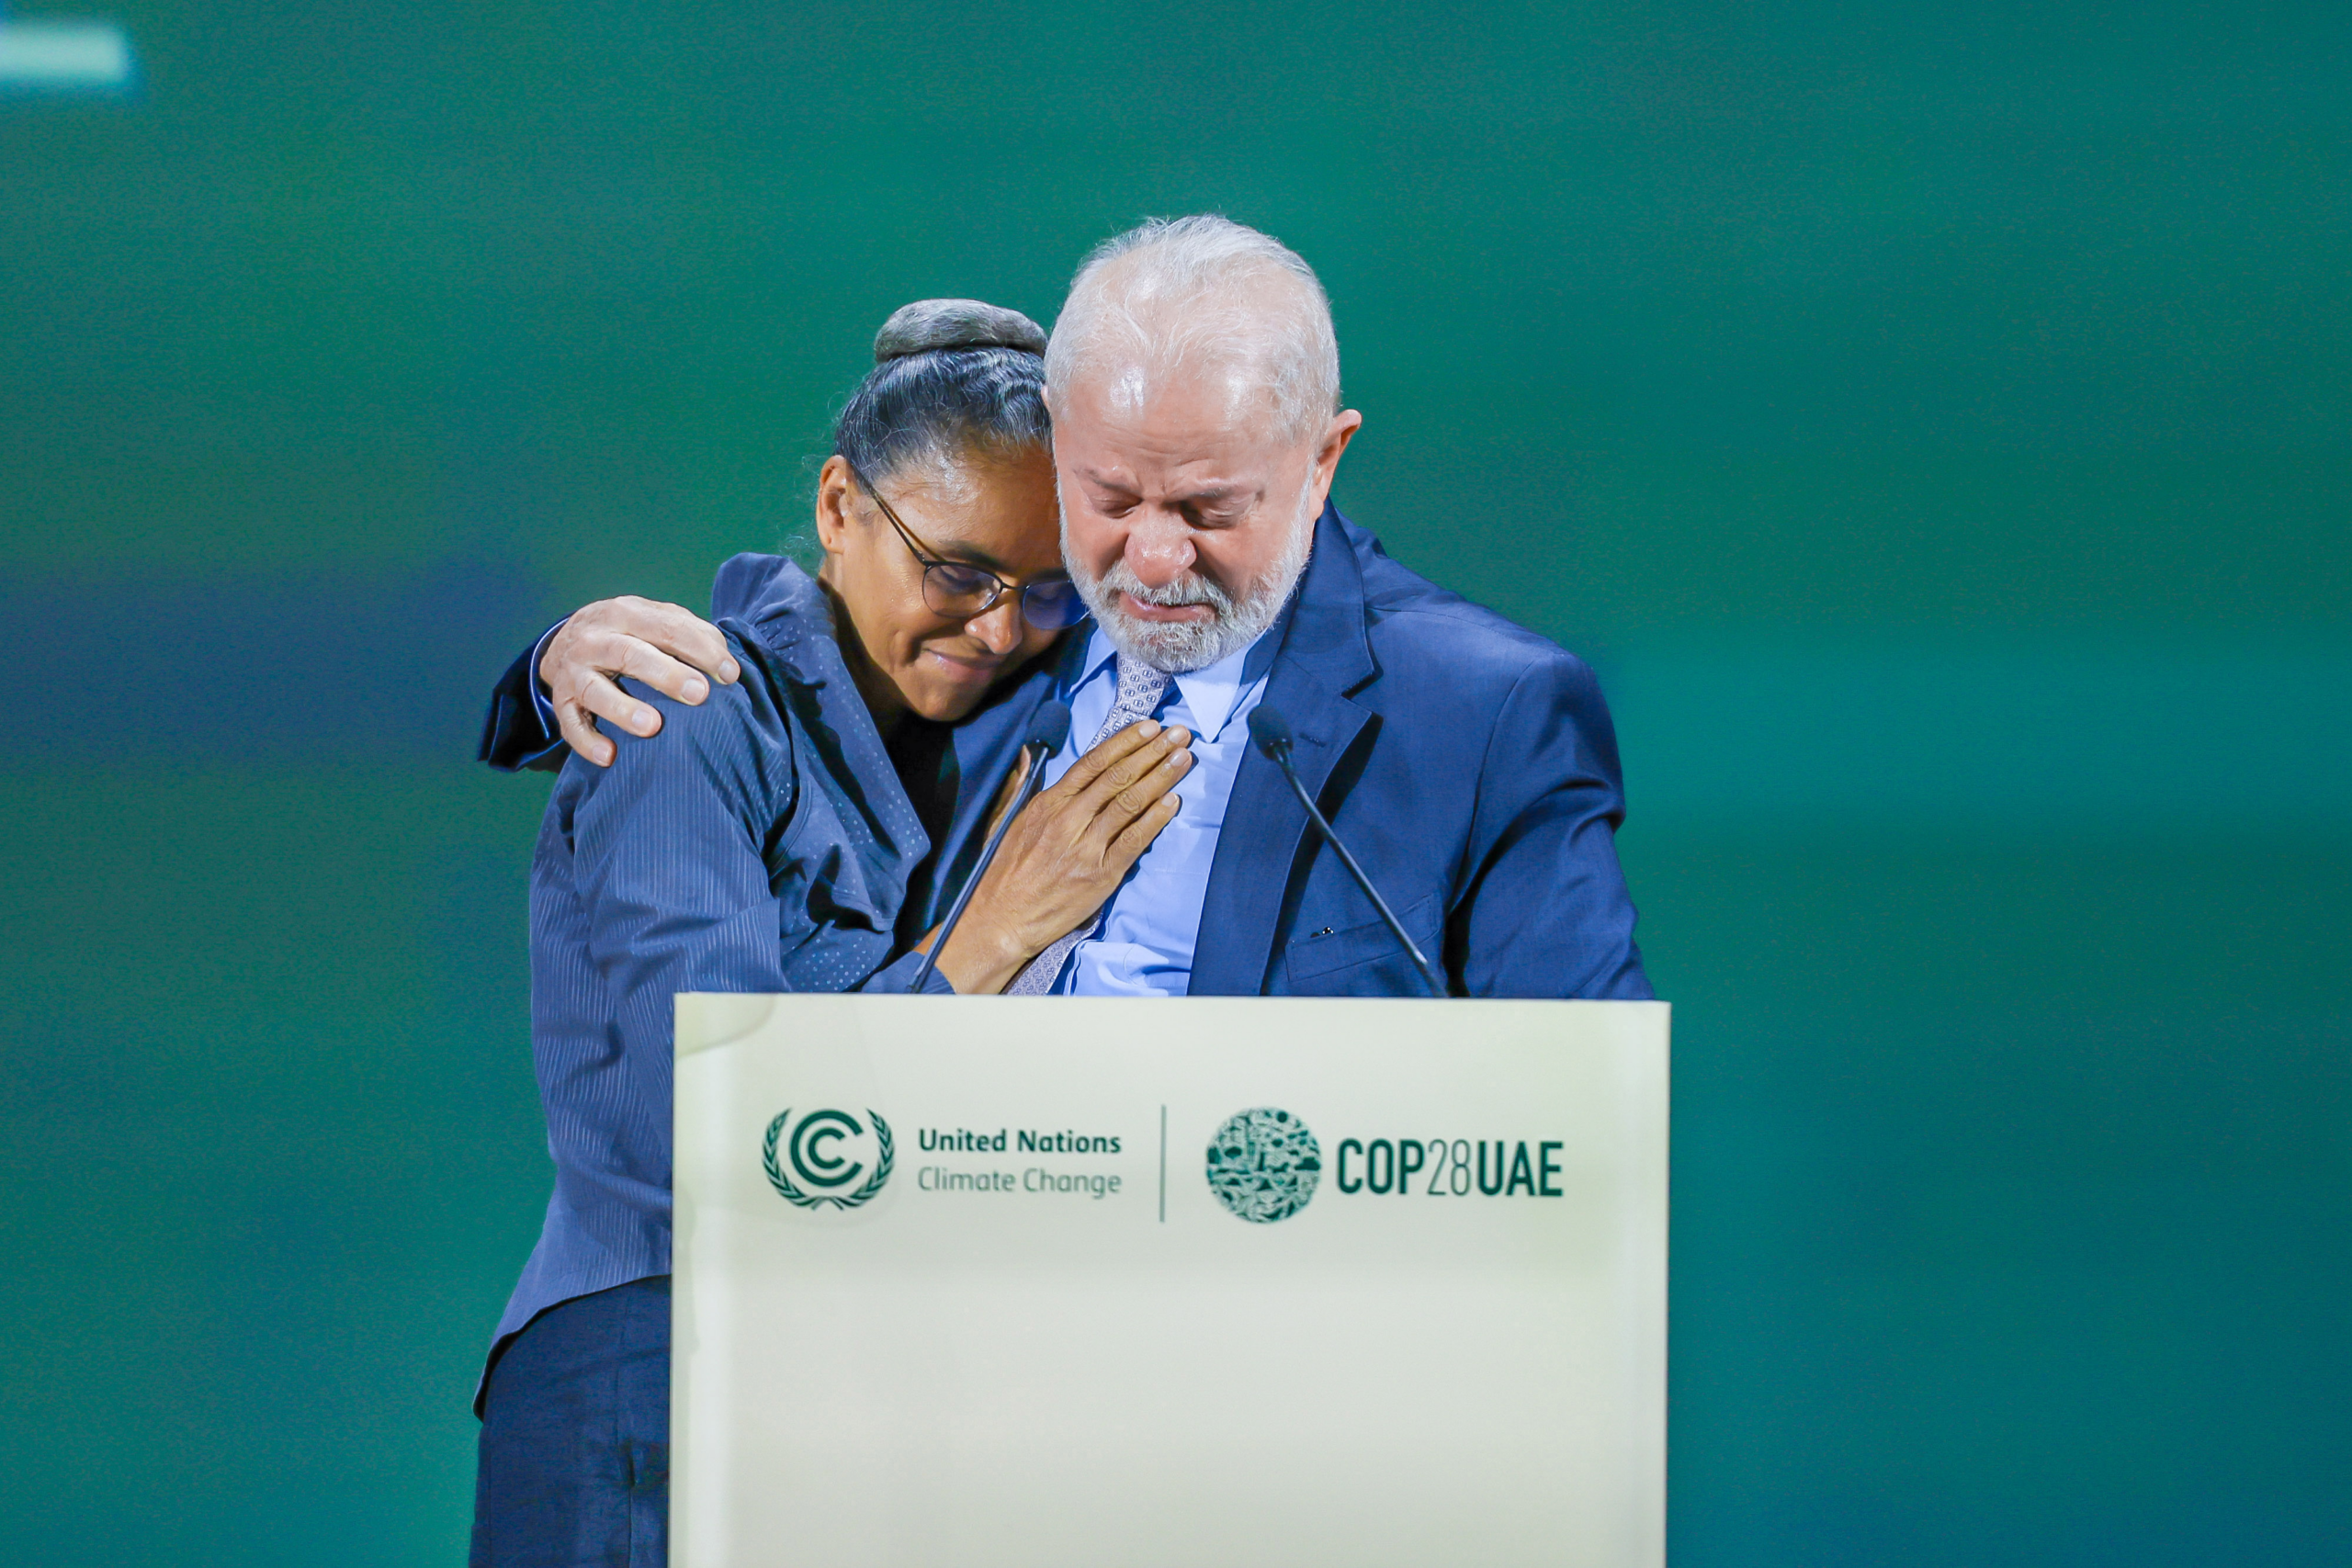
(1207, 291)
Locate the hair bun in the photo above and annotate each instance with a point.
(929, 325)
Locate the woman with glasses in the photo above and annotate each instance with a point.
(764, 840)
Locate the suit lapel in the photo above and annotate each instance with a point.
(1325, 654)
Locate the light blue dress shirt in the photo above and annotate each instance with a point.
(1152, 923)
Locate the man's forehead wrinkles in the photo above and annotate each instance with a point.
(1168, 477)
(1210, 492)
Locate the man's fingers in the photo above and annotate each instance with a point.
(1102, 792)
(605, 700)
(1136, 801)
(672, 629)
(1124, 769)
(1113, 750)
(1128, 844)
(576, 715)
(580, 733)
(1117, 806)
(1132, 800)
(680, 633)
(644, 662)
(671, 649)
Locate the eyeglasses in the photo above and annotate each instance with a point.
(956, 591)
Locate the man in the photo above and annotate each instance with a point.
(1470, 764)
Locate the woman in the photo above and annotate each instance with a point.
(764, 841)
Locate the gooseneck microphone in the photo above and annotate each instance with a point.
(1048, 727)
(1270, 731)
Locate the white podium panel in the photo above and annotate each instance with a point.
(981, 1281)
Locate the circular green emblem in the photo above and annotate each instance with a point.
(814, 1154)
(1263, 1165)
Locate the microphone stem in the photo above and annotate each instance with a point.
(1028, 791)
(1395, 926)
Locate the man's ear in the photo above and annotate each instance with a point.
(1336, 436)
(833, 484)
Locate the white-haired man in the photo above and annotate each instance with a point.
(1193, 380)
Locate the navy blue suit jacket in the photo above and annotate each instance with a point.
(1469, 763)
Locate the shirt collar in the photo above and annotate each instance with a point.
(1210, 695)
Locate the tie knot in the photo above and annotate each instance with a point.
(1140, 687)
(1139, 691)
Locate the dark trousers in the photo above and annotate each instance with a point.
(575, 1436)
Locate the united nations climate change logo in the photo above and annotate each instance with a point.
(813, 1172)
(1263, 1165)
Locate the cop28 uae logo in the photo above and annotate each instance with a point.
(814, 1169)
(1263, 1165)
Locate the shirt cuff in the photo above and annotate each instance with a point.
(542, 701)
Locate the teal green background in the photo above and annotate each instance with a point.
(1930, 419)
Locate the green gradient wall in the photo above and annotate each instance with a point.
(1931, 420)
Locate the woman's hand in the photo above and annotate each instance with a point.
(669, 648)
(1066, 853)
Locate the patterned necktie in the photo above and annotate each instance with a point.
(1140, 688)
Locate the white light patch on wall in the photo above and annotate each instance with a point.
(64, 56)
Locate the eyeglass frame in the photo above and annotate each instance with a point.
(933, 561)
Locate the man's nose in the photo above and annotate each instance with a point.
(998, 626)
(1159, 550)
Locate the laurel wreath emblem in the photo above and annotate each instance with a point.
(884, 1155)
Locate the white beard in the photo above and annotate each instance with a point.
(1176, 648)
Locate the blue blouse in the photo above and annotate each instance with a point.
(761, 841)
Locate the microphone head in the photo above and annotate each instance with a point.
(1270, 731)
(1050, 726)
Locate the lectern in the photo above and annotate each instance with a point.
(1041, 1282)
